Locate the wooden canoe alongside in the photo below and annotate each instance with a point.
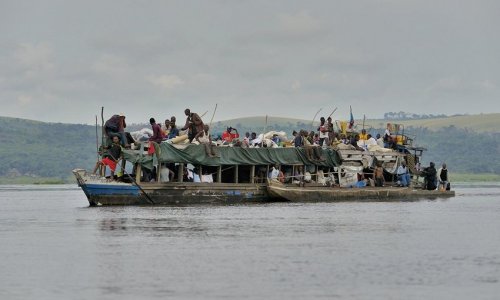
(336, 194)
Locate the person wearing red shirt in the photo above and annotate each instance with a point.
(228, 137)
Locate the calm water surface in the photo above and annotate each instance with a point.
(53, 246)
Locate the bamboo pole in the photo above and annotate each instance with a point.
(213, 115)
(312, 123)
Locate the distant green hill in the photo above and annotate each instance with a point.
(37, 149)
(483, 123)
(31, 150)
(478, 123)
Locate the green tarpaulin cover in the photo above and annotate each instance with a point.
(195, 154)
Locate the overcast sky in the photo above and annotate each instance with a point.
(60, 61)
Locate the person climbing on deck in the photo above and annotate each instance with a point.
(111, 157)
(194, 124)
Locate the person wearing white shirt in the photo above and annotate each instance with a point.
(403, 175)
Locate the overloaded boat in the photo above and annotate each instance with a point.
(240, 175)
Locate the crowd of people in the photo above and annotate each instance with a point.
(195, 131)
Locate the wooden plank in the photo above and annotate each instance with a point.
(138, 171)
(180, 176)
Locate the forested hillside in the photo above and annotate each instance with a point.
(36, 149)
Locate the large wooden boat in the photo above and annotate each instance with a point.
(239, 175)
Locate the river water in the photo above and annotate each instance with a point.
(53, 246)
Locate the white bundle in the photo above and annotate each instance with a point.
(142, 135)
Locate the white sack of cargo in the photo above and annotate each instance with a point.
(280, 134)
(142, 135)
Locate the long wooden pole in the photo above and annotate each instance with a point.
(364, 118)
(102, 126)
(96, 139)
(213, 115)
(265, 127)
(312, 123)
(332, 112)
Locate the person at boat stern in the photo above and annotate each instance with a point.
(111, 157)
(442, 176)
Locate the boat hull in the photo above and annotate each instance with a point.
(179, 194)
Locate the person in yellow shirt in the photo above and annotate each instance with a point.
(363, 136)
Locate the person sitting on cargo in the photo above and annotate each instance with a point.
(403, 175)
(363, 136)
(204, 139)
(313, 152)
(354, 142)
(370, 141)
(111, 157)
(298, 141)
(442, 176)
(254, 141)
(246, 140)
(344, 140)
(174, 131)
(228, 136)
(380, 141)
(193, 123)
(166, 128)
(157, 133)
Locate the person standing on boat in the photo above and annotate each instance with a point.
(378, 174)
(157, 133)
(430, 177)
(111, 157)
(331, 132)
(193, 123)
(323, 132)
(403, 175)
(115, 126)
(442, 176)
